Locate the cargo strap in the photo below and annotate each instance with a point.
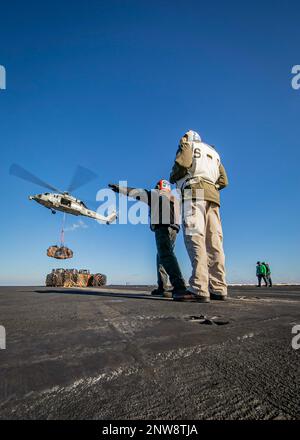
(62, 232)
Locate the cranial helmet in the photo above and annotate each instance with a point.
(192, 136)
(163, 185)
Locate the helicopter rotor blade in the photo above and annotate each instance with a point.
(18, 171)
(81, 177)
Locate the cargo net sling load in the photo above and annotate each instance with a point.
(60, 252)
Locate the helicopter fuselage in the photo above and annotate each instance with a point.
(66, 203)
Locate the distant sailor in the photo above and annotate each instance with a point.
(268, 274)
(200, 175)
(265, 274)
(261, 273)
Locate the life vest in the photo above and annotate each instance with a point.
(205, 165)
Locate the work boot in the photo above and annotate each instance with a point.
(161, 293)
(179, 292)
(218, 296)
(188, 296)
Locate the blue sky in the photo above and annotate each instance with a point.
(113, 85)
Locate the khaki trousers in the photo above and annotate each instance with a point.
(204, 243)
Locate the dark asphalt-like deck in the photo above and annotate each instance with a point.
(118, 353)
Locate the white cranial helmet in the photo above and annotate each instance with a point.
(192, 136)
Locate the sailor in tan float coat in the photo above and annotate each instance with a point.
(200, 175)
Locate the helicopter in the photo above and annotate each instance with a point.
(63, 200)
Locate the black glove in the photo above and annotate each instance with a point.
(114, 187)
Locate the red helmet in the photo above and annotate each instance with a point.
(163, 185)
